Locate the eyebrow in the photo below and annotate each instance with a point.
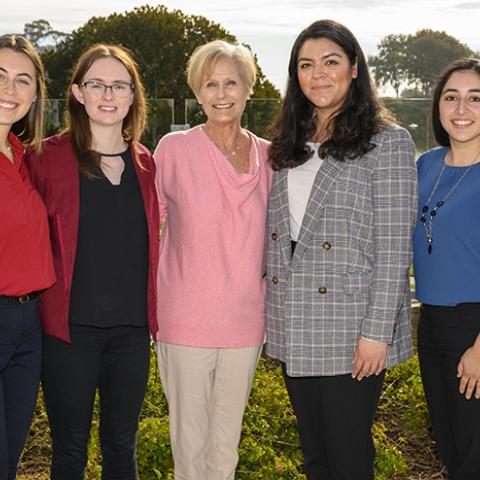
(477, 90)
(95, 79)
(19, 75)
(327, 55)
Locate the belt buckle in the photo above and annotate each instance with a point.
(23, 299)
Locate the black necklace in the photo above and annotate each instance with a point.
(119, 154)
(428, 224)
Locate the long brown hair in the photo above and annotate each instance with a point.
(29, 128)
(76, 118)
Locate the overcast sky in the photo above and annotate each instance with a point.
(270, 26)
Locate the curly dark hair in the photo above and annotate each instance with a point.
(461, 65)
(361, 116)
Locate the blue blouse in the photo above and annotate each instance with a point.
(451, 273)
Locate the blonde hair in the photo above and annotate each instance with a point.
(205, 57)
(29, 128)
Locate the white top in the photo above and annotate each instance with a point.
(300, 183)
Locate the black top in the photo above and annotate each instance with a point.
(109, 286)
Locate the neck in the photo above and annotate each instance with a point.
(229, 131)
(323, 126)
(463, 154)
(4, 131)
(107, 139)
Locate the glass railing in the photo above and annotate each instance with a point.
(413, 114)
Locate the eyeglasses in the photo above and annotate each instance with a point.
(97, 89)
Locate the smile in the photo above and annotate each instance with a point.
(462, 123)
(8, 105)
(107, 109)
(222, 106)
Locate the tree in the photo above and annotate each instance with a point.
(415, 59)
(389, 66)
(429, 51)
(40, 31)
(161, 41)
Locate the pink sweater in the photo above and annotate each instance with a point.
(210, 285)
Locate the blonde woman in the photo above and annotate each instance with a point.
(213, 183)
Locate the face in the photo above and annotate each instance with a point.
(223, 93)
(105, 107)
(324, 74)
(460, 107)
(18, 86)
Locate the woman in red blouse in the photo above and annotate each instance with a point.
(25, 258)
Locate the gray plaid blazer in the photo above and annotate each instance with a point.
(348, 276)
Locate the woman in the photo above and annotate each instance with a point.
(341, 214)
(25, 259)
(213, 183)
(98, 184)
(447, 265)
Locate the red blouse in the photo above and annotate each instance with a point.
(25, 256)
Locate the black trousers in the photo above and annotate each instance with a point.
(334, 421)
(114, 360)
(20, 357)
(444, 333)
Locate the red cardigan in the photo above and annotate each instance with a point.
(55, 174)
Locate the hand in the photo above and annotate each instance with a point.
(468, 371)
(369, 358)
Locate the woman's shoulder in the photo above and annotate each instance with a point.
(53, 149)
(261, 144)
(434, 155)
(180, 138)
(392, 132)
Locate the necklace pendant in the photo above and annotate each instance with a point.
(429, 249)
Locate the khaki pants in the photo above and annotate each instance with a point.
(207, 390)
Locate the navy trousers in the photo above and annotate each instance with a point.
(115, 362)
(444, 333)
(20, 357)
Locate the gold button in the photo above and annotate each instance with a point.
(322, 290)
(274, 280)
(274, 236)
(327, 245)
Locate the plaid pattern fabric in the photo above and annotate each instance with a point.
(349, 274)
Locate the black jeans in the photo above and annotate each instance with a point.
(444, 333)
(20, 357)
(334, 420)
(114, 360)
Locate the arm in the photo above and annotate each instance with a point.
(394, 202)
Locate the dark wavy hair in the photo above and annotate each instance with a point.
(362, 114)
(461, 65)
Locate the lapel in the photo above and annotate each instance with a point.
(67, 201)
(281, 208)
(142, 178)
(145, 178)
(322, 185)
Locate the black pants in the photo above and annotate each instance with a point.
(334, 420)
(444, 333)
(114, 360)
(20, 356)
